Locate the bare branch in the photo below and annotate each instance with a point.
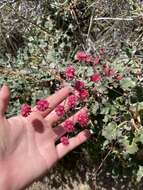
(117, 18)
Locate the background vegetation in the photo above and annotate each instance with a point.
(39, 38)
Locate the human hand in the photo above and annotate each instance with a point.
(27, 145)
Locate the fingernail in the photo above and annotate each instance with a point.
(71, 89)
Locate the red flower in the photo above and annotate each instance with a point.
(60, 111)
(70, 72)
(25, 110)
(79, 85)
(119, 77)
(64, 140)
(72, 101)
(96, 60)
(108, 71)
(101, 51)
(83, 119)
(94, 89)
(83, 94)
(42, 105)
(17, 97)
(68, 126)
(95, 77)
(81, 56)
(89, 59)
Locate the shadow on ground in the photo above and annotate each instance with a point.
(77, 171)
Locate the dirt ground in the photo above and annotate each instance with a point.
(76, 172)
(104, 182)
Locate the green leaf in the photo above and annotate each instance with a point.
(139, 137)
(129, 148)
(140, 173)
(105, 110)
(101, 89)
(106, 118)
(89, 71)
(113, 110)
(132, 149)
(94, 107)
(111, 131)
(137, 106)
(127, 83)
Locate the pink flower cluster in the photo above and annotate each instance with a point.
(41, 105)
(101, 51)
(25, 110)
(68, 126)
(85, 57)
(72, 101)
(108, 71)
(83, 119)
(64, 140)
(70, 72)
(83, 94)
(60, 110)
(82, 56)
(79, 85)
(95, 77)
(118, 77)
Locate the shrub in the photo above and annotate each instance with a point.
(99, 59)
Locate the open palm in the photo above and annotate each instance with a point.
(27, 145)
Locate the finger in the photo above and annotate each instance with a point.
(4, 99)
(60, 131)
(55, 99)
(62, 149)
(53, 117)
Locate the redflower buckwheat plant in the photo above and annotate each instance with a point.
(102, 87)
(69, 126)
(64, 140)
(99, 85)
(96, 48)
(83, 94)
(70, 71)
(60, 110)
(25, 110)
(42, 105)
(83, 119)
(72, 101)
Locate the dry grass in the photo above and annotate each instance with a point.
(100, 22)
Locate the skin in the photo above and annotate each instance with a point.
(27, 145)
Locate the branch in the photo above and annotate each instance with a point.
(117, 18)
(103, 161)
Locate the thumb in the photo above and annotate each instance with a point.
(4, 99)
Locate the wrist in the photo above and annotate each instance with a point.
(5, 182)
(8, 181)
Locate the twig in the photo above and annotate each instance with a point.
(117, 18)
(91, 21)
(62, 4)
(101, 164)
